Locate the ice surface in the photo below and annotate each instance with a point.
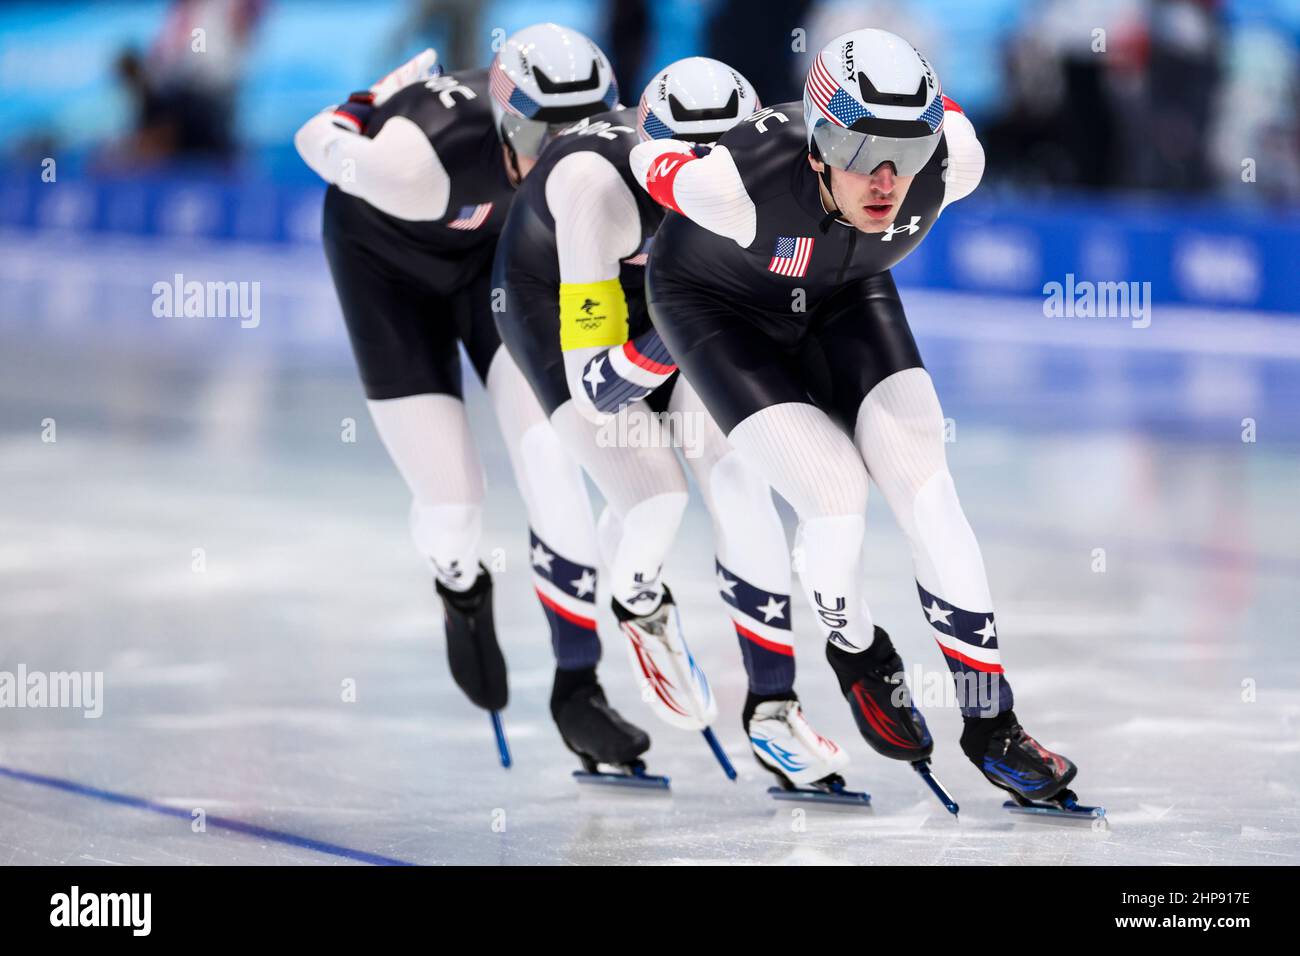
(223, 689)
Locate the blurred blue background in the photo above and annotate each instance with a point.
(1136, 141)
(1127, 139)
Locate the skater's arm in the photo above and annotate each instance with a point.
(596, 226)
(965, 155)
(397, 172)
(627, 373)
(702, 184)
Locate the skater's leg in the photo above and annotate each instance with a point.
(646, 489)
(529, 327)
(753, 560)
(404, 338)
(766, 397)
(900, 432)
(878, 387)
(562, 545)
(753, 571)
(757, 393)
(562, 550)
(429, 440)
(811, 463)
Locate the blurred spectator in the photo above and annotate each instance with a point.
(1021, 143)
(195, 65)
(628, 23)
(184, 89)
(152, 137)
(1126, 93)
(1062, 119)
(1183, 74)
(1160, 95)
(465, 46)
(756, 37)
(1257, 116)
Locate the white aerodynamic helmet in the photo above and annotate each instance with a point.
(545, 78)
(696, 99)
(871, 98)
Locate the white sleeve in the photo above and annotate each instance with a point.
(596, 219)
(707, 190)
(397, 172)
(596, 225)
(965, 158)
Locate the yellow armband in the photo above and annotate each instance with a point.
(592, 313)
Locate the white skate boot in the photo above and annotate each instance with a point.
(670, 679)
(806, 764)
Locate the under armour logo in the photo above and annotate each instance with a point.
(910, 228)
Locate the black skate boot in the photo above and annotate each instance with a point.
(872, 682)
(608, 746)
(473, 654)
(1017, 763)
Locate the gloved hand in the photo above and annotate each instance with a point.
(575, 368)
(627, 373)
(355, 113)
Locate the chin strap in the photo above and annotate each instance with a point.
(835, 213)
(513, 167)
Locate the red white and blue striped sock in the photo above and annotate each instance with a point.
(762, 622)
(567, 592)
(969, 641)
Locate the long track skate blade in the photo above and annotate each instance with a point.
(1069, 811)
(923, 768)
(855, 798)
(639, 780)
(503, 746)
(719, 753)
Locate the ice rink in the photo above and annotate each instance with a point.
(1170, 674)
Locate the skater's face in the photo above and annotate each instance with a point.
(868, 201)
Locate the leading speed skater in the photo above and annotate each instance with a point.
(769, 283)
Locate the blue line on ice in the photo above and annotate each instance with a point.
(223, 823)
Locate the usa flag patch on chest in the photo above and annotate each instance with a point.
(471, 217)
(791, 256)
